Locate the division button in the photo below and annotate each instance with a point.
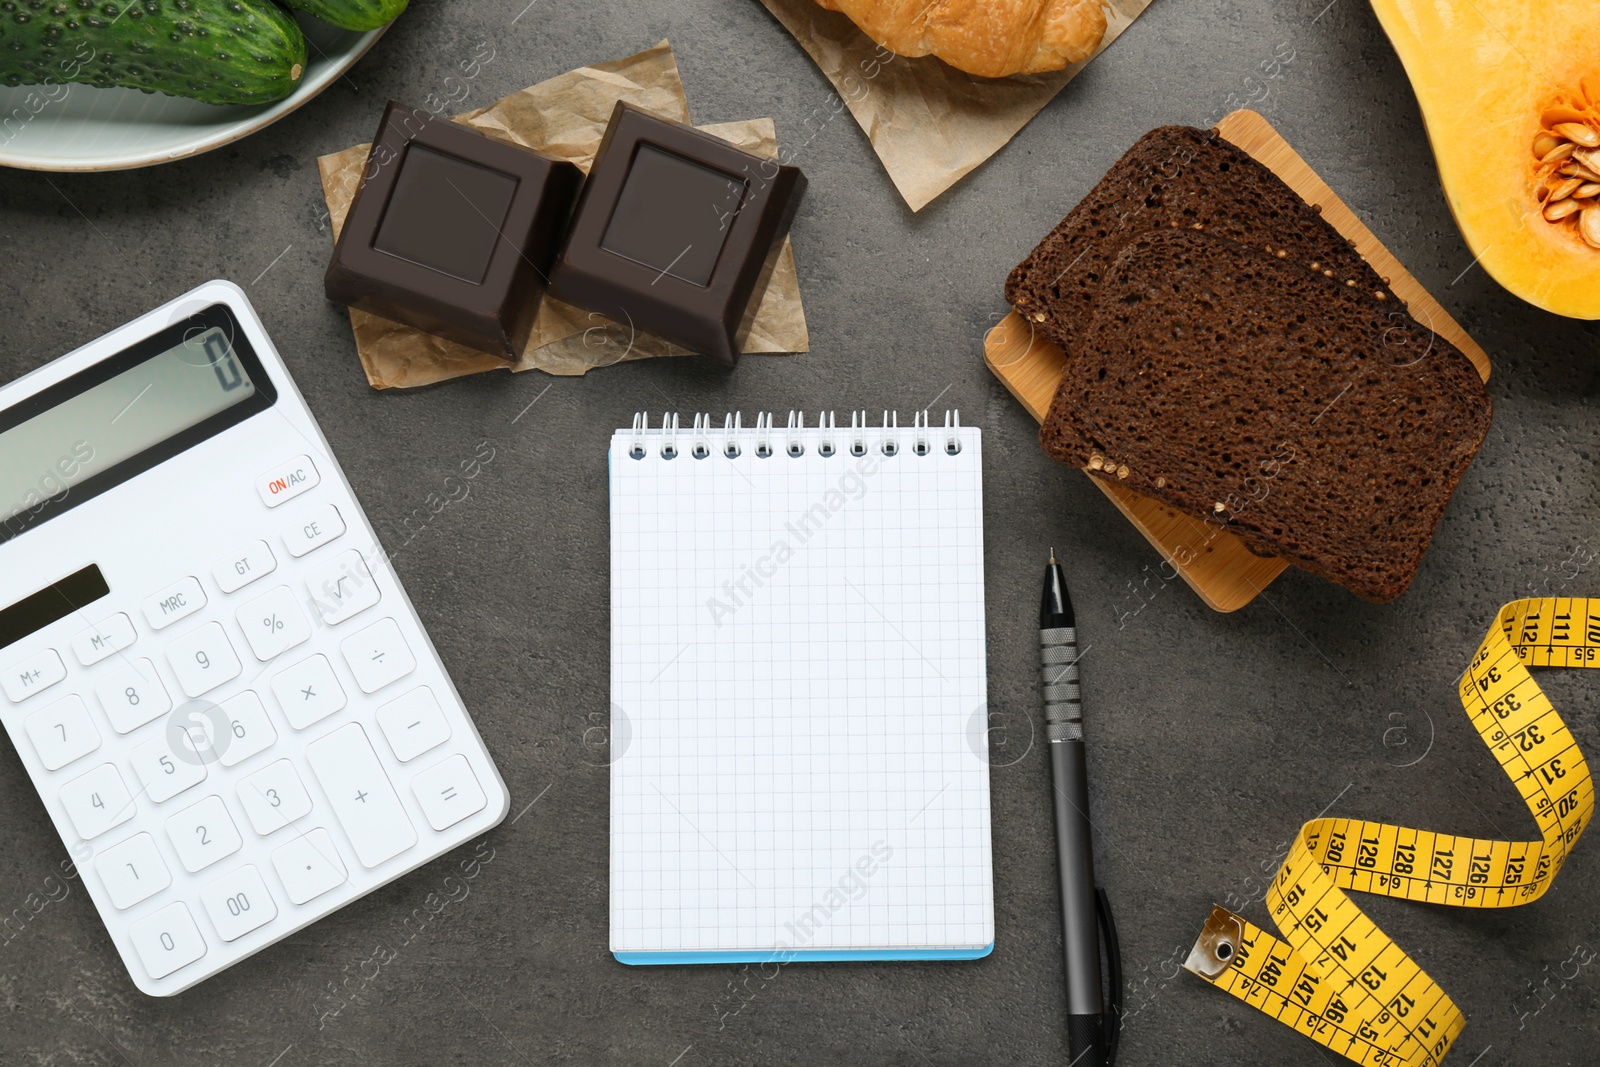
(378, 655)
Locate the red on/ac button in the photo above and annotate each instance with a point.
(287, 481)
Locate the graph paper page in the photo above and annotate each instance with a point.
(798, 740)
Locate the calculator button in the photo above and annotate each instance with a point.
(132, 695)
(249, 729)
(244, 565)
(287, 481)
(309, 866)
(110, 635)
(361, 795)
(377, 655)
(177, 601)
(273, 624)
(97, 801)
(203, 660)
(62, 733)
(448, 792)
(238, 903)
(312, 530)
(308, 692)
(164, 772)
(274, 797)
(202, 834)
(167, 940)
(342, 587)
(132, 871)
(33, 675)
(413, 724)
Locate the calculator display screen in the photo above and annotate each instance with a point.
(124, 415)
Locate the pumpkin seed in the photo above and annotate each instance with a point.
(1544, 144)
(1565, 150)
(1578, 170)
(1564, 190)
(1578, 133)
(1561, 209)
(1554, 116)
(1589, 225)
(1588, 157)
(1586, 190)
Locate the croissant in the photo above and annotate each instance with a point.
(990, 38)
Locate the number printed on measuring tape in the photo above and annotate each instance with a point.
(1333, 975)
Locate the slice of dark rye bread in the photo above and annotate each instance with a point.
(1175, 177)
(1310, 420)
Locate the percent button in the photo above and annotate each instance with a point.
(273, 623)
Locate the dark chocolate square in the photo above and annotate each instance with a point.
(676, 232)
(673, 214)
(445, 213)
(452, 232)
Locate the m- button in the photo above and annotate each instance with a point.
(285, 482)
(312, 530)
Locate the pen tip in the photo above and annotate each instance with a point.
(1052, 556)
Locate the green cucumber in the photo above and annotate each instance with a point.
(218, 51)
(351, 14)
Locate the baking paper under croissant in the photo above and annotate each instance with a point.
(990, 38)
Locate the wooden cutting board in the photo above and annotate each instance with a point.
(1216, 564)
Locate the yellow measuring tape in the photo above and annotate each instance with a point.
(1334, 976)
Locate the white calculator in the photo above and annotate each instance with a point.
(222, 693)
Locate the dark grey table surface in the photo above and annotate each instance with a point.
(1212, 737)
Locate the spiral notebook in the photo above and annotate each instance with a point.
(799, 737)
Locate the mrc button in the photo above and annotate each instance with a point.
(178, 600)
(287, 481)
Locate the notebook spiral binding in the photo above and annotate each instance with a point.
(703, 438)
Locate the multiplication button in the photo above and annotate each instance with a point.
(33, 675)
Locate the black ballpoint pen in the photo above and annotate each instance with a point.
(1083, 908)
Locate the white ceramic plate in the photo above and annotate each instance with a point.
(112, 129)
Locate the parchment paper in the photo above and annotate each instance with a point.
(930, 123)
(565, 117)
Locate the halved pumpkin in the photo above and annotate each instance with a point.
(1510, 95)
